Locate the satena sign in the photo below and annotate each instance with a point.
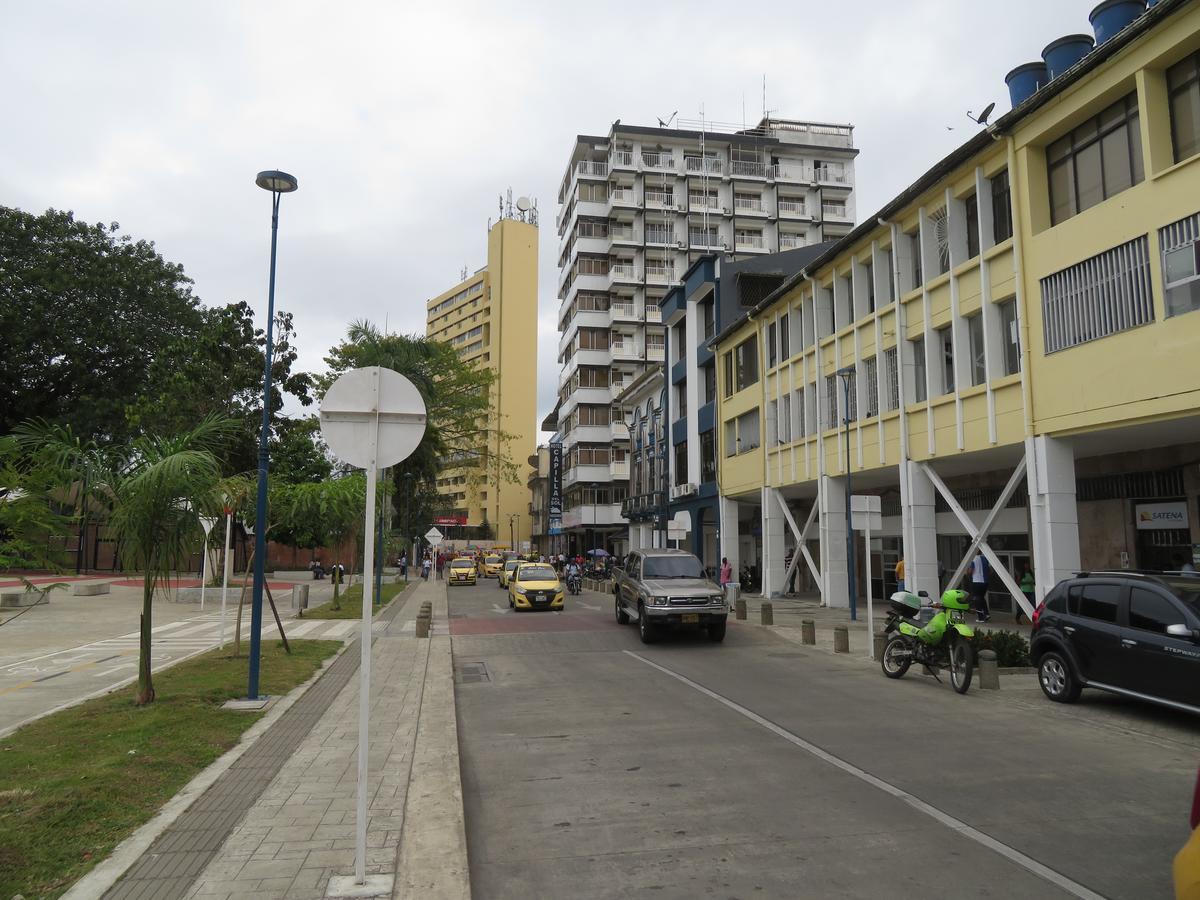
(1159, 516)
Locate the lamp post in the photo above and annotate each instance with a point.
(278, 183)
(845, 374)
(512, 534)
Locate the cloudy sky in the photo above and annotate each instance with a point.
(404, 121)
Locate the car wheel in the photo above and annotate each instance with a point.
(622, 616)
(647, 632)
(511, 604)
(1057, 680)
(716, 633)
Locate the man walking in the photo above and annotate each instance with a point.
(979, 574)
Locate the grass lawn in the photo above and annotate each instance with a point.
(351, 601)
(75, 784)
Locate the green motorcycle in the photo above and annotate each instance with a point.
(942, 642)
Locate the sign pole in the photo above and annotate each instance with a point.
(870, 599)
(225, 566)
(364, 687)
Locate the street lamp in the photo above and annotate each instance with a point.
(512, 535)
(278, 183)
(846, 374)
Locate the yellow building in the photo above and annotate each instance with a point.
(1006, 354)
(490, 318)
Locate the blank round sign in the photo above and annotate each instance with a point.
(360, 398)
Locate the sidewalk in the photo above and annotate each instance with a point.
(284, 822)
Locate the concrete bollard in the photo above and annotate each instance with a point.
(739, 609)
(880, 642)
(422, 626)
(300, 596)
(989, 671)
(767, 613)
(808, 631)
(841, 639)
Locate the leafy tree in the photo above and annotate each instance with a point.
(298, 454)
(84, 313)
(29, 519)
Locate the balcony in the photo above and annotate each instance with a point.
(653, 313)
(794, 173)
(656, 353)
(659, 199)
(791, 241)
(660, 274)
(657, 161)
(750, 242)
(660, 237)
(704, 239)
(623, 234)
(792, 209)
(747, 206)
(625, 350)
(703, 166)
(620, 470)
(748, 169)
(834, 175)
(622, 272)
(701, 203)
(622, 311)
(620, 159)
(592, 168)
(622, 198)
(835, 212)
(589, 515)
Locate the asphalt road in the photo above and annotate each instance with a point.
(595, 766)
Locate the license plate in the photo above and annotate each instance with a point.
(690, 618)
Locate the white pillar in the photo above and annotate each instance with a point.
(1052, 511)
(833, 541)
(728, 510)
(774, 554)
(917, 506)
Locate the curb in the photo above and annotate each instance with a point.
(97, 882)
(433, 860)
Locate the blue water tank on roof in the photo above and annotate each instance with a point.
(1060, 55)
(1113, 15)
(1024, 81)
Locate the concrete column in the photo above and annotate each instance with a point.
(917, 499)
(833, 541)
(1052, 511)
(774, 552)
(728, 544)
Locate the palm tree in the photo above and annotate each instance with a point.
(155, 493)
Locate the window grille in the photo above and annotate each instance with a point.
(892, 374)
(1100, 296)
(871, 373)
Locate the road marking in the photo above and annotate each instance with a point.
(303, 628)
(587, 605)
(1013, 855)
(500, 609)
(341, 629)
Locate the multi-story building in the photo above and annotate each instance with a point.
(490, 318)
(642, 406)
(637, 207)
(1005, 354)
(538, 482)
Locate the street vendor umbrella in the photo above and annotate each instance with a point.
(597, 552)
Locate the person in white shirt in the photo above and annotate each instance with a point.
(979, 575)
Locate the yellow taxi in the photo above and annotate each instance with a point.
(535, 586)
(510, 566)
(1187, 861)
(462, 571)
(492, 565)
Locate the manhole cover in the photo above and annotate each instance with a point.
(471, 673)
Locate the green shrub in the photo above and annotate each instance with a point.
(1011, 648)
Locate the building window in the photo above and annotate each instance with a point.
(681, 463)
(892, 375)
(850, 395)
(891, 274)
(1180, 243)
(1001, 208)
(915, 245)
(741, 366)
(945, 343)
(978, 357)
(831, 401)
(849, 283)
(972, 207)
(708, 310)
(773, 435)
(708, 457)
(871, 374)
(785, 338)
(1098, 160)
(772, 346)
(920, 382)
(710, 382)
(869, 275)
(681, 407)
(798, 417)
(1183, 86)
(1009, 337)
(1100, 296)
(741, 434)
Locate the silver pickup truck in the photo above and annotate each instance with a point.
(667, 589)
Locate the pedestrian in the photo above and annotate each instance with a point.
(426, 564)
(441, 564)
(900, 574)
(726, 571)
(404, 566)
(787, 566)
(979, 576)
(1028, 585)
(941, 577)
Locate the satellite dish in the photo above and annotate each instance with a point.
(523, 204)
(982, 118)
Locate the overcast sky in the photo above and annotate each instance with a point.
(404, 122)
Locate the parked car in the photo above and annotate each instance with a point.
(1132, 633)
(668, 589)
(535, 586)
(1187, 860)
(462, 571)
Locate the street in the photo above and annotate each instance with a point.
(596, 766)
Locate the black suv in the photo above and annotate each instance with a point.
(1133, 633)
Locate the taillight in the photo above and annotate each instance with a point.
(1037, 614)
(1196, 803)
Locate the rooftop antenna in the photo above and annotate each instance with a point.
(667, 124)
(982, 118)
(523, 206)
(463, 276)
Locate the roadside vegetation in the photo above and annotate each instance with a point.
(350, 604)
(76, 783)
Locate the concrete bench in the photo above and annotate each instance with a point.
(19, 599)
(90, 589)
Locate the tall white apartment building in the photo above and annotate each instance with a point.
(636, 208)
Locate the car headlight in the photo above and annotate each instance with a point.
(717, 600)
(520, 590)
(659, 601)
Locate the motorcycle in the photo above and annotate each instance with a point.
(942, 642)
(574, 584)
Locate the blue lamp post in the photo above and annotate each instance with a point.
(278, 183)
(846, 374)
